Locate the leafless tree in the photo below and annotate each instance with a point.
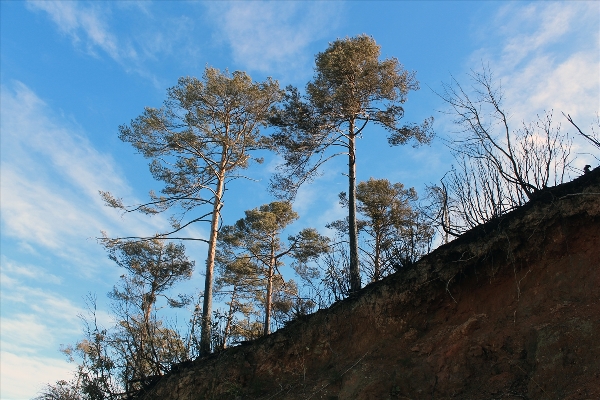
(593, 137)
(499, 167)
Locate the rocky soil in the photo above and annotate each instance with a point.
(510, 310)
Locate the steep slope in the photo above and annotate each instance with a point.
(509, 310)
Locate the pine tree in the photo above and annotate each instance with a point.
(351, 87)
(201, 138)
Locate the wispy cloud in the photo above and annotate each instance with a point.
(26, 334)
(23, 377)
(532, 27)
(546, 55)
(51, 175)
(571, 85)
(273, 36)
(27, 271)
(86, 25)
(144, 38)
(34, 321)
(37, 319)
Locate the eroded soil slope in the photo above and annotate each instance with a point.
(509, 310)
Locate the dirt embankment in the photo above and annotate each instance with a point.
(509, 310)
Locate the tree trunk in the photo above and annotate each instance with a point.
(269, 300)
(354, 267)
(447, 223)
(229, 318)
(376, 261)
(205, 338)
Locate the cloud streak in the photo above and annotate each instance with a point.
(51, 175)
(548, 57)
(35, 322)
(27, 272)
(51, 208)
(143, 38)
(273, 36)
(17, 372)
(84, 24)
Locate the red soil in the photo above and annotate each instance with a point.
(510, 310)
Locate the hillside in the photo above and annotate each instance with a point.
(509, 310)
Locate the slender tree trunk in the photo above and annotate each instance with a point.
(377, 262)
(269, 293)
(148, 303)
(447, 223)
(145, 334)
(205, 347)
(354, 267)
(140, 370)
(229, 317)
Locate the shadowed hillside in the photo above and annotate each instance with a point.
(510, 309)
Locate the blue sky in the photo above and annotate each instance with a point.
(72, 72)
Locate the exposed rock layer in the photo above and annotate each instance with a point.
(509, 310)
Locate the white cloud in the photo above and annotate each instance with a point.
(86, 25)
(570, 86)
(273, 36)
(547, 57)
(33, 313)
(34, 212)
(24, 376)
(30, 128)
(37, 319)
(532, 27)
(51, 209)
(27, 271)
(24, 334)
(51, 175)
(143, 38)
(29, 338)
